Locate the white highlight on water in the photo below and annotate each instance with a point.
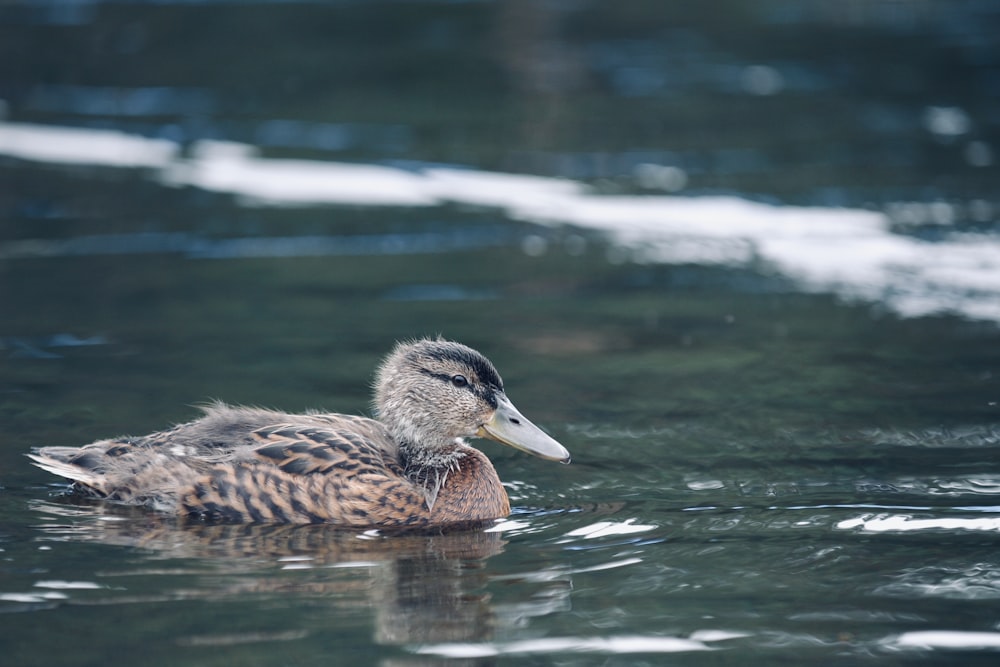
(882, 523)
(606, 528)
(951, 639)
(614, 645)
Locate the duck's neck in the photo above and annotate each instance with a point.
(429, 468)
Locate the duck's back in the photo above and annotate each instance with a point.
(254, 465)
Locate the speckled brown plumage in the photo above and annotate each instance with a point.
(410, 468)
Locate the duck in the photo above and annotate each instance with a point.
(408, 466)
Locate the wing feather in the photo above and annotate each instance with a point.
(311, 474)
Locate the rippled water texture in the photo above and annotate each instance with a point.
(743, 260)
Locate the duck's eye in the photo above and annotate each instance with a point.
(459, 381)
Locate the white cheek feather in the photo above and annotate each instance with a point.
(180, 450)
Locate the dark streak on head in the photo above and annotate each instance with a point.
(487, 385)
(441, 350)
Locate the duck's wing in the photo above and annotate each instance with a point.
(320, 449)
(345, 474)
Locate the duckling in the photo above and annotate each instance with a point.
(409, 467)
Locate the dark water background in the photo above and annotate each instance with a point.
(772, 464)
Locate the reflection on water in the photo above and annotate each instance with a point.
(427, 592)
(421, 588)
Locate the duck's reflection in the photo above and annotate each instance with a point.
(421, 588)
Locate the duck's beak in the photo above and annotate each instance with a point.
(512, 428)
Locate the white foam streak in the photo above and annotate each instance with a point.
(236, 169)
(850, 252)
(66, 145)
(516, 193)
(720, 217)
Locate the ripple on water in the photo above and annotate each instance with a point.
(985, 485)
(972, 581)
(976, 436)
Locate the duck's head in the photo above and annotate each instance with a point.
(430, 392)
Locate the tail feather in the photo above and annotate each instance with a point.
(54, 464)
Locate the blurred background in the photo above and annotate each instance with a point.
(754, 245)
(225, 187)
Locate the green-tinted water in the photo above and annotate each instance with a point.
(784, 422)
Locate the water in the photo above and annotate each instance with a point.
(747, 277)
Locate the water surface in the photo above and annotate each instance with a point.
(743, 263)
